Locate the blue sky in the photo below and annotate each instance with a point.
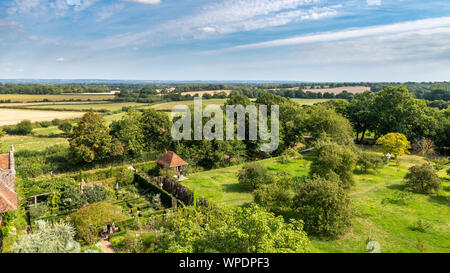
(303, 40)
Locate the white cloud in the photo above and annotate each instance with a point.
(426, 25)
(373, 2)
(150, 2)
(60, 59)
(108, 11)
(226, 17)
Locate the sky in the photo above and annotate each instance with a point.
(283, 40)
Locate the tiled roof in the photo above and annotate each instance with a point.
(8, 199)
(4, 161)
(171, 160)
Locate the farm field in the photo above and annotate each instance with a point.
(337, 90)
(61, 97)
(29, 143)
(167, 106)
(390, 224)
(90, 106)
(309, 101)
(14, 116)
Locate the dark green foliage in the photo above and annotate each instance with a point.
(95, 193)
(66, 127)
(422, 179)
(239, 230)
(156, 128)
(323, 121)
(24, 128)
(334, 161)
(254, 175)
(89, 220)
(369, 161)
(323, 206)
(90, 139)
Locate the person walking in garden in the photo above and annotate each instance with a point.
(105, 232)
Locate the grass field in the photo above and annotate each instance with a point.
(167, 106)
(390, 224)
(14, 116)
(309, 101)
(90, 106)
(29, 143)
(62, 97)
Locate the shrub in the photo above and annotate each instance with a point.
(394, 143)
(47, 238)
(56, 122)
(125, 177)
(24, 127)
(424, 147)
(89, 220)
(45, 124)
(276, 197)
(95, 193)
(323, 206)
(253, 175)
(333, 161)
(422, 226)
(66, 127)
(369, 161)
(422, 179)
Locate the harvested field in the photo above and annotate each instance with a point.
(337, 90)
(14, 116)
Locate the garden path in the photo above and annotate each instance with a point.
(107, 247)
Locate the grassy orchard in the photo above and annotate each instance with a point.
(382, 213)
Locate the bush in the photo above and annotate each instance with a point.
(422, 179)
(424, 147)
(45, 124)
(334, 161)
(369, 161)
(90, 220)
(95, 193)
(125, 177)
(253, 175)
(394, 143)
(323, 206)
(66, 127)
(24, 127)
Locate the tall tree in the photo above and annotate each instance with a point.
(156, 128)
(90, 139)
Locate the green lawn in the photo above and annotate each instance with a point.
(390, 224)
(29, 143)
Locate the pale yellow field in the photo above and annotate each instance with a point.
(14, 116)
(337, 90)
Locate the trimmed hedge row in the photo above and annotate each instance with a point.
(151, 187)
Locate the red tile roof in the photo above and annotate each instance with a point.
(8, 199)
(4, 161)
(171, 160)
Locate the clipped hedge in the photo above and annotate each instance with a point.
(151, 187)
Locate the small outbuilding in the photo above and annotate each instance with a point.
(173, 161)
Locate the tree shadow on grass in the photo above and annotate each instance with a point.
(399, 187)
(439, 199)
(234, 187)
